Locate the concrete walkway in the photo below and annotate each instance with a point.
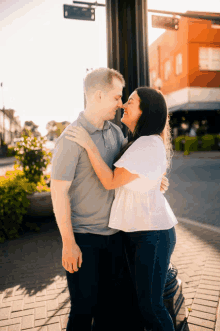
(7, 160)
(199, 155)
(34, 293)
(8, 163)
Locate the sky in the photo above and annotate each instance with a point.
(44, 57)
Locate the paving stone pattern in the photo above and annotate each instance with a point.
(197, 257)
(34, 293)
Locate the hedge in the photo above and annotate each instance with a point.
(178, 143)
(193, 144)
(14, 188)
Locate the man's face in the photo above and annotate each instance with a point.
(112, 101)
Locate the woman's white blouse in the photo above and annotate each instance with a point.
(139, 205)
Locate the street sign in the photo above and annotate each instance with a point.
(79, 13)
(165, 22)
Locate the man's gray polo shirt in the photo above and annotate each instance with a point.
(90, 201)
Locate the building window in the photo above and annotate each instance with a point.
(153, 76)
(179, 64)
(209, 58)
(167, 70)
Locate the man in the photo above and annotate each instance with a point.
(92, 253)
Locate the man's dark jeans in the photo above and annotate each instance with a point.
(102, 288)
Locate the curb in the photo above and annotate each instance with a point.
(217, 323)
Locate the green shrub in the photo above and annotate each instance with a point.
(13, 203)
(11, 151)
(17, 184)
(216, 146)
(178, 143)
(191, 145)
(33, 157)
(208, 142)
(14, 188)
(44, 184)
(199, 143)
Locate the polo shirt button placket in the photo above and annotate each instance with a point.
(108, 139)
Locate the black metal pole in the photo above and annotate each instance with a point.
(127, 43)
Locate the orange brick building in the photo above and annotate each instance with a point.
(187, 61)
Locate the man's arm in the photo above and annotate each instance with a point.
(61, 207)
(71, 255)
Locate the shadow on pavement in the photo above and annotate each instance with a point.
(185, 327)
(209, 237)
(33, 261)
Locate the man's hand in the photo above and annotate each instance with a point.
(164, 184)
(71, 257)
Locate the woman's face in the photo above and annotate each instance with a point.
(132, 111)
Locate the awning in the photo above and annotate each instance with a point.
(189, 106)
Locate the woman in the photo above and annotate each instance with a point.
(140, 210)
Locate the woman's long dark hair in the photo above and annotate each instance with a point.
(153, 120)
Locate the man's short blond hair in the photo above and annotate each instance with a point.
(101, 79)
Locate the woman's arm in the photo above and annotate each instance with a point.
(109, 179)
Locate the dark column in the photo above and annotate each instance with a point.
(127, 46)
(127, 43)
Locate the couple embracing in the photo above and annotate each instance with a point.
(117, 227)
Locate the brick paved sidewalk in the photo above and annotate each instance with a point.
(34, 293)
(197, 257)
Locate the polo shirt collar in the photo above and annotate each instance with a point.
(89, 126)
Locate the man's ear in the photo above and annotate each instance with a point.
(98, 96)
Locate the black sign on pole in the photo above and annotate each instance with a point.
(165, 22)
(79, 13)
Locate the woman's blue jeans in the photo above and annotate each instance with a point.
(148, 255)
